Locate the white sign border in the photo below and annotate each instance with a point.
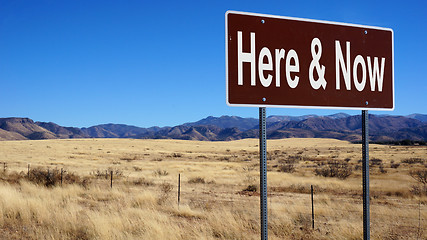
(303, 20)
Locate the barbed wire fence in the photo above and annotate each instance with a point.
(326, 214)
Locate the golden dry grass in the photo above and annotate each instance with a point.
(143, 201)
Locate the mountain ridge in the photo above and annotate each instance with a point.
(224, 128)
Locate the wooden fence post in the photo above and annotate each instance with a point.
(179, 188)
(111, 184)
(312, 207)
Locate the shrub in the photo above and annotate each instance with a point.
(142, 181)
(303, 221)
(70, 178)
(375, 161)
(335, 168)
(42, 177)
(85, 182)
(294, 159)
(12, 177)
(165, 189)
(116, 172)
(137, 169)
(382, 170)
(413, 160)
(196, 180)
(49, 177)
(394, 165)
(129, 158)
(419, 190)
(160, 173)
(419, 175)
(287, 168)
(100, 173)
(106, 173)
(251, 188)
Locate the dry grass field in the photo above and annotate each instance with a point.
(219, 189)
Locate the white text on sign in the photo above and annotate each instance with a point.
(374, 68)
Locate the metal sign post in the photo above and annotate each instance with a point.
(365, 174)
(263, 172)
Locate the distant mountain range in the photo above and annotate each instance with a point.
(382, 128)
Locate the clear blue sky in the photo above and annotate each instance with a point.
(147, 63)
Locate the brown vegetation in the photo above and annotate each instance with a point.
(219, 190)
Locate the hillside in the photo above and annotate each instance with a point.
(23, 128)
(338, 126)
(421, 117)
(226, 122)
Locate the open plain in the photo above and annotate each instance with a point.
(218, 190)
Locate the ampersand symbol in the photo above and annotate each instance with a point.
(321, 81)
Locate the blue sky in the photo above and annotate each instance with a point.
(162, 63)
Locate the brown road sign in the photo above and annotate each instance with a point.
(275, 61)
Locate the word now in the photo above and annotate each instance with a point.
(374, 69)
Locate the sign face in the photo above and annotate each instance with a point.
(274, 61)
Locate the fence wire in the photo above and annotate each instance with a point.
(321, 217)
